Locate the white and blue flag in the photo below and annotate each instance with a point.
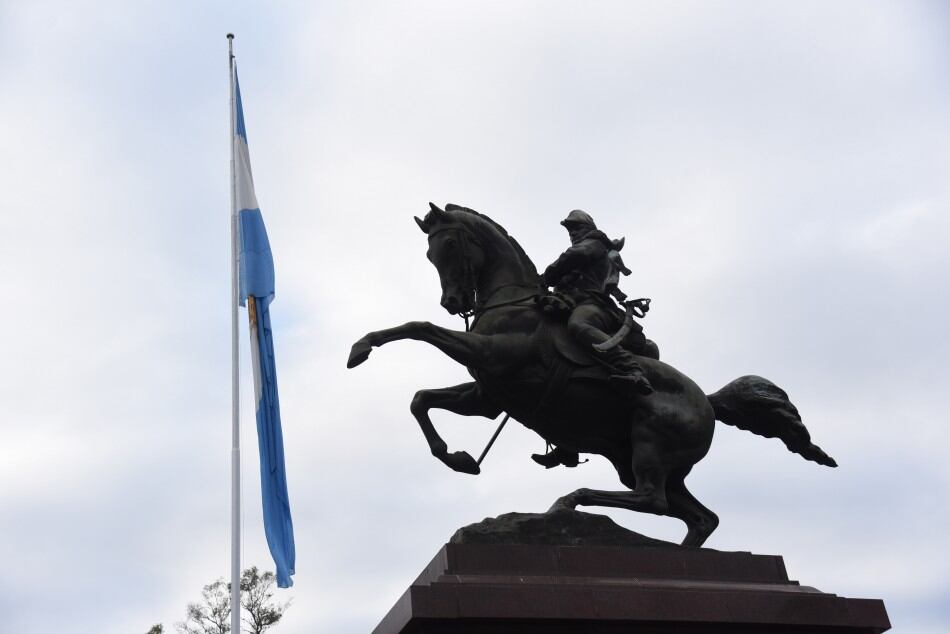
(256, 288)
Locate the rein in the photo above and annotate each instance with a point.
(469, 283)
(478, 311)
(465, 264)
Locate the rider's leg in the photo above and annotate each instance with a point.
(556, 457)
(585, 324)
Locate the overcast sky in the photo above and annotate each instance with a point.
(780, 171)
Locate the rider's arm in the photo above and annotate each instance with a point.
(575, 257)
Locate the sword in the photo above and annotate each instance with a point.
(632, 308)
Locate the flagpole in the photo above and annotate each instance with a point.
(235, 383)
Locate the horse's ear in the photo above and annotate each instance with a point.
(422, 224)
(435, 216)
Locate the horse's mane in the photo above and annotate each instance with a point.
(525, 260)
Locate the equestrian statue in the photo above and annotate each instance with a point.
(557, 353)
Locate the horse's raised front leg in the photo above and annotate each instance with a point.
(465, 399)
(470, 349)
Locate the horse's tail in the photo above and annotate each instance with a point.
(761, 407)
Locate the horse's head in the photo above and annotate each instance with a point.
(457, 256)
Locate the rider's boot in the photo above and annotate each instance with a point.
(627, 371)
(556, 457)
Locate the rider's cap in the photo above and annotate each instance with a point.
(578, 217)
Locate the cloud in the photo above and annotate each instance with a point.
(779, 175)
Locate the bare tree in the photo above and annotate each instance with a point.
(257, 599)
(212, 613)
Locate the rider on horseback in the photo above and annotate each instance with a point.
(587, 275)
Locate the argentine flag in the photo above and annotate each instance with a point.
(256, 288)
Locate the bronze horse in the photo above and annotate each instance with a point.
(524, 363)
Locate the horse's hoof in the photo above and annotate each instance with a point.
(699, 532)
(462, 462)
(566, 503)
(358, 353)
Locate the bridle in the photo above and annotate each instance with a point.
(467, 237)
(469, 285)
(465, 264)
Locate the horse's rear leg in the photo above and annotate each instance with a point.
(648, 482)
(650, 470)
(617, 499)
(700, 521)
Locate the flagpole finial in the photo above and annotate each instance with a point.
(230, 36)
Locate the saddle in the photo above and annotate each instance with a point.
(568, 359)
(558, 307)
(569, 349)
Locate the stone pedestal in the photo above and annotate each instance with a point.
(484, 585)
